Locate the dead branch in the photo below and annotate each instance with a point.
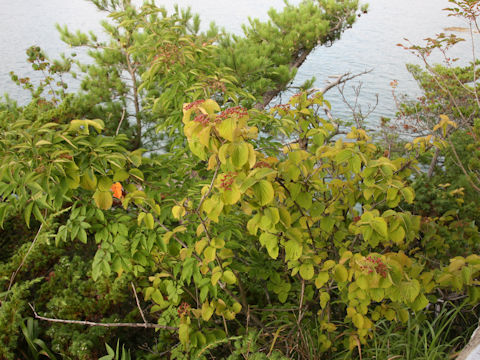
(91, 323)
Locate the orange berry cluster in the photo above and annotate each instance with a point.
(377, 265)
(226, 181)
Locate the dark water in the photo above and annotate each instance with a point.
(370, 44)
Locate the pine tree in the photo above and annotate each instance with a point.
(149, 54)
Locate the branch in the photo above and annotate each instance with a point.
(210, 188)
(340, 79)
(24, 258)
(120, 122)
(460, 165)
(138, 305)
(91, 323)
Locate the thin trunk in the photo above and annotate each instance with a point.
(136, 103)
(433, 163)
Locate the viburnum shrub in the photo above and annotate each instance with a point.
(260, 241)
(323, 216)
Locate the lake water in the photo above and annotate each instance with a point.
(370, 44)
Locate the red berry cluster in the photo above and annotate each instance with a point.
(194, 104)
(170, 54)
(202, 119)
(377, 265)
(226, 181)
(183, 309)
(234, 111)
(282, 107)
(216, 85)
(261, 164)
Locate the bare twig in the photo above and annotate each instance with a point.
(460, 165)
(120, 122)
(300, 305)
(91, 323)
(138, 305)
(24, 258)
(210, 188)
(340, 79)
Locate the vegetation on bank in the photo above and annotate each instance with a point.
(168, 210)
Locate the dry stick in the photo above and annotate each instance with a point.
(340, 80)
(91, 323)
(138, 304)
(24, 258)
(120, 122)
(300, 305)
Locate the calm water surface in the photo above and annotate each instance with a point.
(370, 44)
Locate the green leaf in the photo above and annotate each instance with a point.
(263, 191)
(307, 271)
(226, 129)
(231, 196)
(410, 290)
(398, 235)
(229, 277)
(380, 226)
(304, 199)
(27, 213)
(321, 279)
(178, 211)
(408, 194)
(293, 250)
(343, 155)
(89, 181)
(120, 175)
(149, 221)
(183, 334)
(239, 154)
(362, 282)
(104, 183)
(207, 311)
(271, 243)
(358, 320)
(103, 199)
(377, 294)
(209, 254)
(137, 174)
(420, 303)
(324, 299)
(340, 273)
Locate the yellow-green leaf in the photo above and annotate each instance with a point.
(104, 183)
(321, 279)
(340, 273)
(103, 199)
(263, 191)
(307, 271)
